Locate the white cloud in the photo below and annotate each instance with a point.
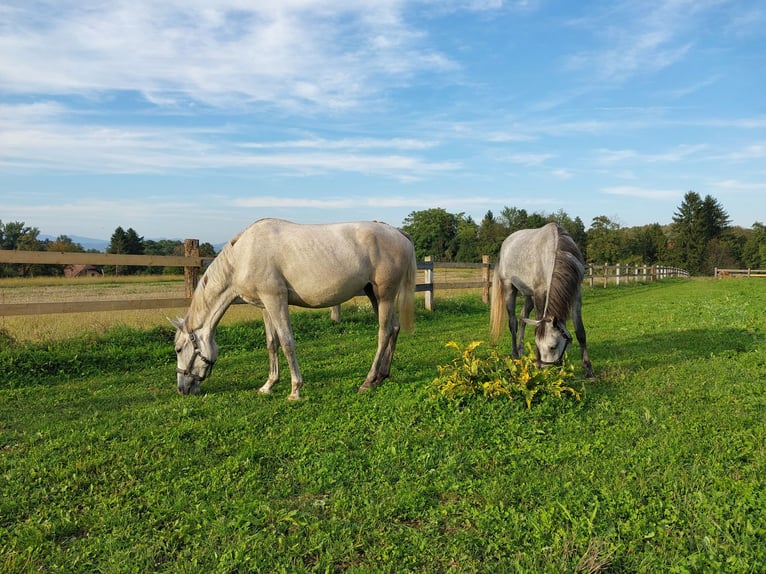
(634, 38)
(290, 53)
(529, 159)
(736, 185)
(642, 192)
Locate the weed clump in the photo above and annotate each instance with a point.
(478, 371)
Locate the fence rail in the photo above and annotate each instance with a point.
(617, 274)
(725, 273)
(192, 264)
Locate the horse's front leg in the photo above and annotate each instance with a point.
(272, 344)
(581, 340)
(525, 311)
(279, 315)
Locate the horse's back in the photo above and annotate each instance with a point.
(319, 264)
(527, 257)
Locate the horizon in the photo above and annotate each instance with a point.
(182, 121)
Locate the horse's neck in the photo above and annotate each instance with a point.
(211, 298)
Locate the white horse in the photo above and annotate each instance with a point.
(276, 263)
(546, 266)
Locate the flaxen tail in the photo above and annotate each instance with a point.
(498, 313)
(406, 297)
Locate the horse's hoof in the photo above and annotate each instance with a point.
(293, 398)
(365, 387)
(264, 391)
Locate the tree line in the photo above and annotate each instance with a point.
(19, 236)
(699, 239)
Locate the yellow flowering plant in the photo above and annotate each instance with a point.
(481, 371)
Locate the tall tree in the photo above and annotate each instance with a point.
(754, 249)
(125, 242)
(604, 241)
(491, 235)
(696, 224)
(434, 233)
(466, 239)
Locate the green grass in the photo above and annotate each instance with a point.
(658, 468)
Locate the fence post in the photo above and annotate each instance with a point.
(191, 274)
(617, 275)
(485, 278)
(590, 266)
(429, 281)
(335, 313)
(606, 273)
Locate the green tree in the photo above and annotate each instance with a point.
(604, 241)
(467, 240)
(754, 249)
(696, 223)
(62, 244)
(434, 232)
(125, 242)
(16, 235)
(514, 219)
(647, 244)
(490, 236)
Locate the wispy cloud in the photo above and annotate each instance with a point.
(676, 154)
(643, 193)
(446, 202)
(740, 186)
(291, 53)
(529, 159)
(634, 38)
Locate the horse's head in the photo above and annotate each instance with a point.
(195, 355)
(552, 339)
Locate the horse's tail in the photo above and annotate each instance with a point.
(406, 298)
(497, 313)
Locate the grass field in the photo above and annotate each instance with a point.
(658, 468)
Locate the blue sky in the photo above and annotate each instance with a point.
(186, 118)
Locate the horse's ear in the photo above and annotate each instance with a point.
(177, 323)
(531, 321)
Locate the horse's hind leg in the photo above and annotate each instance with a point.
(388, 332)
(513, 323)
(369, 290)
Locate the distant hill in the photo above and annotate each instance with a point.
(86, 242)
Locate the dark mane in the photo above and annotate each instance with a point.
(568, 271)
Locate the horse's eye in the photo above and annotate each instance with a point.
(178, 350)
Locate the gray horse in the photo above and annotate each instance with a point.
(546, 267)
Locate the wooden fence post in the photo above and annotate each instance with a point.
(429, 281)
(191, 274)
(590, 266)
(335, 313)
(485, 278)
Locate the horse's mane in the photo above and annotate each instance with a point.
(218, 273)
(568, 271)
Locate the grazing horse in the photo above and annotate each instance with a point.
(276, 263)
(546, 266)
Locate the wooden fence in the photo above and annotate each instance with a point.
(725, 273)
(192, 264)
(618, 274)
